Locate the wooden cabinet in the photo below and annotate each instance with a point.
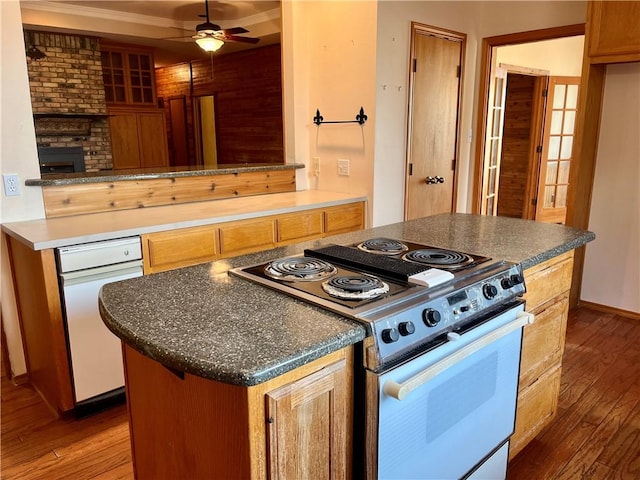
(547, 297)
(614, 35)
(138, 139)
(297, 425)
(189, 246)
(308, 426)
(128, 75)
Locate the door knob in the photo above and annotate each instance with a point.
(439, 179)
(434, 180)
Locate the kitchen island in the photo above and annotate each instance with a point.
(231, 356)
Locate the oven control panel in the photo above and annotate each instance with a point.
(420, 322)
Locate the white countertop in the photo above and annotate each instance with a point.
(62, 231)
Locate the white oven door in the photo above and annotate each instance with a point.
(443, 413)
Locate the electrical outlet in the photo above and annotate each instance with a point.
(11, 184)
(343, 167)
(316, 166)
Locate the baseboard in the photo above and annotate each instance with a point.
(607, 309)
(20, 379)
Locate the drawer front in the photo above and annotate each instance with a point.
(178, 248)
(548, 280)
(300, 226)
(344, 219)
(543, 340)
(537, 405)
(246, 237)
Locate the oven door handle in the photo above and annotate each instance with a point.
(399, 391)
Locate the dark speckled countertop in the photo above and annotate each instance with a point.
(203, 321)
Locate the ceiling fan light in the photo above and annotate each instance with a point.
(209, 44)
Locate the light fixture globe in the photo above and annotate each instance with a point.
(209, 44)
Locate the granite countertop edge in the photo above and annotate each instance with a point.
(194, 365)
(554, 252)
(102, 177)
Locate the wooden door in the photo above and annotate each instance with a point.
(178, 118)
(307, 429)
(152, 137)
(557, 149)
(433, 121)
(123, 130)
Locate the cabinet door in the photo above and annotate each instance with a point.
(245, 237)
(178, 248)
(301, 226)
(345, 218)
(614, 35)
(152, 138)
(307, 426)
(123, 129)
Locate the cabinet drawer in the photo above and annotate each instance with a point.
(548, 280)
(344, 219)
(537, 405)
(178, 248)
(246, 237)
(299, 226)
(543, 340)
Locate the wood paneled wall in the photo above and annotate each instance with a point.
(248, 94)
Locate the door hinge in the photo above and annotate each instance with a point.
(415, 65)
(539, 149)
(453, 164)
(458, 71)
(545, 92)
(411, 169)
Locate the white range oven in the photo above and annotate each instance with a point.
(436, 394)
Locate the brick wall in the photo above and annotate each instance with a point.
(247, 88)
(67, 92)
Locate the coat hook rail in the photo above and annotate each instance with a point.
(361, 118)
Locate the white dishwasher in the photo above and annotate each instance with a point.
(95, 353)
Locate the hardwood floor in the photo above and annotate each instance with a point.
(38, 446)
(595, 436)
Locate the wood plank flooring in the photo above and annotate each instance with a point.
(596, 435)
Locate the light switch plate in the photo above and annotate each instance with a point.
(343, 167)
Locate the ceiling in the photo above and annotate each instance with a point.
(165, 25)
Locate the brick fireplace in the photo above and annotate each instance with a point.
(67, 95)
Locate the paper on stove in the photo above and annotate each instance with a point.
(431, 277)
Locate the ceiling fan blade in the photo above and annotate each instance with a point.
(235, 38)
(234, 30)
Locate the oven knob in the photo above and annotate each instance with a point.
(389, 335)
(517, 279)
(430, 317)
(506, 283)
(406, 328)
(489, 291)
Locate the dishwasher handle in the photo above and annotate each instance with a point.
(129, 269)
(399, 391)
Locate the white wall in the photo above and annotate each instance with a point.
(18, 154)
(329, 64)
(612, 261)
(476, 19)
(560, 57)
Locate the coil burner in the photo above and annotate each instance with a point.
(383, 246)
(355, 287)
(296, 269)
(439, 258)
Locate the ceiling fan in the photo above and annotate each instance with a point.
(210, 37)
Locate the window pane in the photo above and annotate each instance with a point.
(552, 173)
(497, 96)
(495, 129)
(133, 61)
(561, 196)
(569, 122)
(491, 188)
(563, 172)
(549, 195)
(567, 147)
(490, 206)
(554, 148)
(558, 96)
(556, 122)
(572, 96)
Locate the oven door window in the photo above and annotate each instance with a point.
(448, 425)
